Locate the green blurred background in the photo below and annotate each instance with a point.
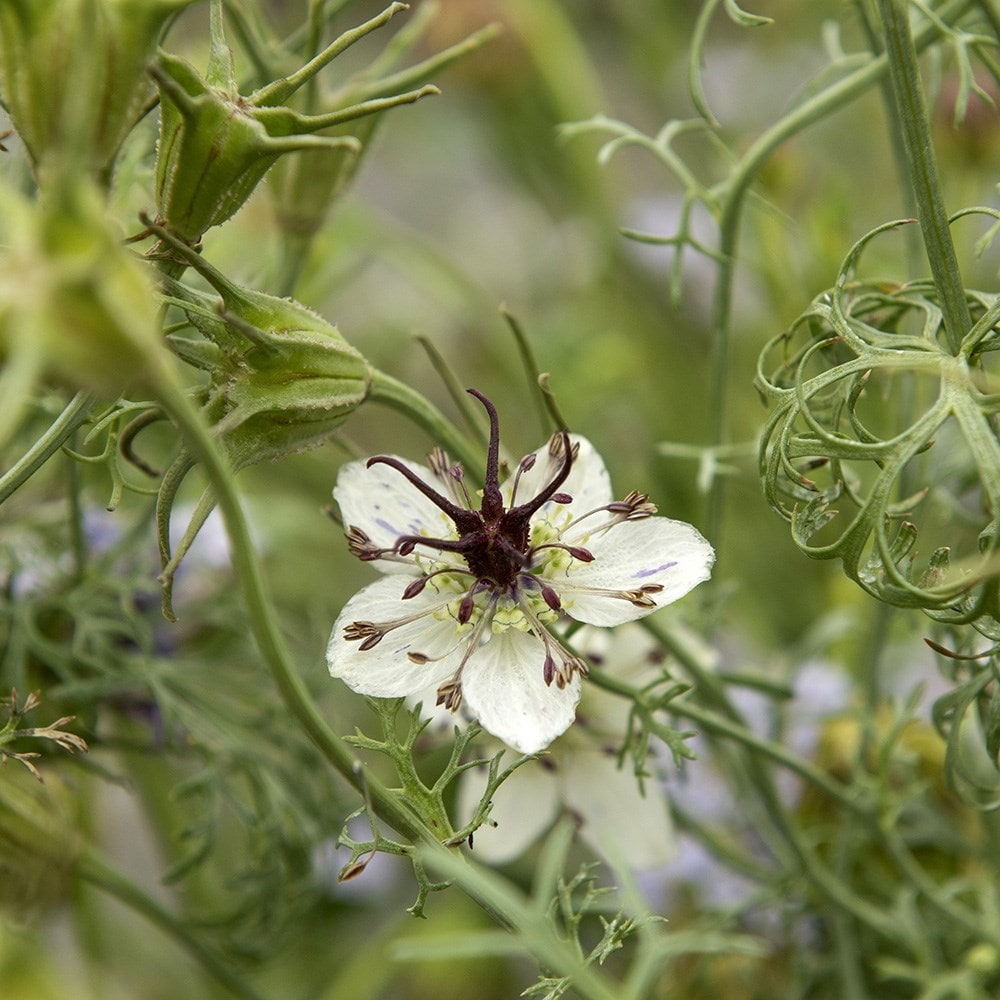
(466, 201)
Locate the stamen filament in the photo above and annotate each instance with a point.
(639, 596)
(526, 464)
(526, 510)
(441, 465)
(366, 630)
(417, 586)
(635, 506)
(449, 693)
(568, 664)
(576, 551)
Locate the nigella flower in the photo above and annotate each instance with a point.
(470, 595)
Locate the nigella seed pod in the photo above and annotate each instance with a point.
(281, 376)
(213, 150)
(883, 435)
(217, 144)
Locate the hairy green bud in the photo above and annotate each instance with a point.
(281, 379)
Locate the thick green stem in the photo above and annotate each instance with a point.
(531, 924)
(263, 624)
(904, 75)
(487, 891)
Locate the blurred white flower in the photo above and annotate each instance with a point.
(617, 819)
(481, 588)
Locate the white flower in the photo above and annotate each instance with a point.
(469, 595)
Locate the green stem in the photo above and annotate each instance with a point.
(73, 416)
(94, 870)
(943, 899)
(280, 90)
(759, 779)
(531, 924)
(78, 541)
(461, 400)
(734, 730)
(263, 623)
(904, 75)
(896, 144)
(991, 11)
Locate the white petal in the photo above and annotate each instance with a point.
(505, 690)
(384, 671)
(382, 503)
(654, 551)
(617, 821)
(524, 807)
(588, 482)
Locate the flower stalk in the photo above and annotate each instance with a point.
(73, 416)
(487, 890)
(904, 76)
(263, 623)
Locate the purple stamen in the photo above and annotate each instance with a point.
(465, 520)
(465, 609)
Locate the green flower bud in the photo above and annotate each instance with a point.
(216, 144)
(73, 75)
(281, 380)
(74, 302)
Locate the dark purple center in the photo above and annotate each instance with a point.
(493, 541)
